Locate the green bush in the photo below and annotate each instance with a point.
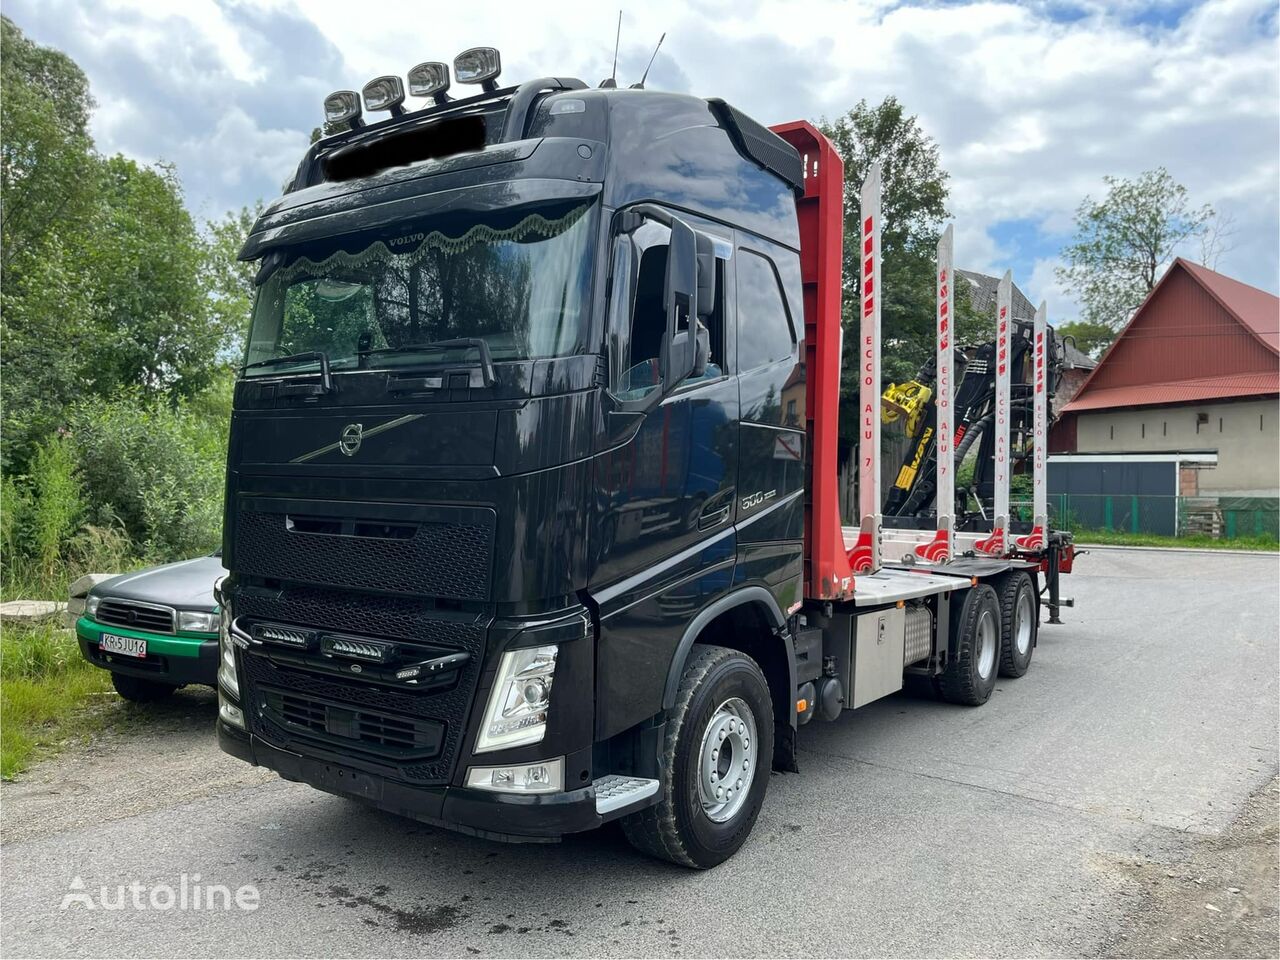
(154, 469)
(56, 504)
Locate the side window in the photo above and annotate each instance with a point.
(714, 322)
(642, 319)
(764, 329)
(648, 325)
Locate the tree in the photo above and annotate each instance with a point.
(154, 329)
(228, 281)
(46, 155)
(48, 188)
(914, 206)
(105, 283)
(1090, 338)
(1124, 243)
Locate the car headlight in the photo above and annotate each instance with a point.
(91, 605)
(517, 711)
(227, 678)
(194, 621)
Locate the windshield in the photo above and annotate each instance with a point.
(519, 282)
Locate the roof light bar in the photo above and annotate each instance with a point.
(385, 93)
(430, 79)
(478, 65)
(342, 106)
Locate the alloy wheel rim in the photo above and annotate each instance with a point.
(727, 760)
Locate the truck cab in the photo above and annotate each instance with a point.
(518, 426)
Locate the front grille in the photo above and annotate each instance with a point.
(409, 622)
(138, 616)
(449, 558)
(374, 731)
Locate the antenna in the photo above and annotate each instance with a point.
(612, 81)
(640, 85)
(617, 40)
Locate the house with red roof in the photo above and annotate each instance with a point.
(1195, 374)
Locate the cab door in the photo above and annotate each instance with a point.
(665, 482)
(771, 455)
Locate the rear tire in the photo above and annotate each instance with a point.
(716, 760)
(138, 690)
(975, 648)
(1019, 623)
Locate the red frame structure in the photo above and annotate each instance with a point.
(821, 218)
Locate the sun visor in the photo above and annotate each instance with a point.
(530, 171)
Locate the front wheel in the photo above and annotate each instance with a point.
(715, 764)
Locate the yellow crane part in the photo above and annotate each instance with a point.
(905, 401)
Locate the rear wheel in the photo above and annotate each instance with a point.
(975, 648)
(715, 764)
(138, 690)
(1019, 622)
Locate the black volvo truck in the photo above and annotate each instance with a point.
(516, 514)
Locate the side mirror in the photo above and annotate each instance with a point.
(679, 345)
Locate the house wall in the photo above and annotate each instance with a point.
(1245, 435)
(1069, 385)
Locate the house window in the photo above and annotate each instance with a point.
(1219, 424)
(1113, 431)
(1164, 428)
(1144, 429)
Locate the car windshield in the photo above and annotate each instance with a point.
(518, 281)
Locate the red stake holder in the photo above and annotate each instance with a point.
(821, 219)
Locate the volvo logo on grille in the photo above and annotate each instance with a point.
(352, 435)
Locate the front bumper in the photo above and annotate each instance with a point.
(483, 813)
(180, 660)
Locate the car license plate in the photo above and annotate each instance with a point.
(126, 646)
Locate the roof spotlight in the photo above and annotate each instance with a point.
(478, 65)
(430, 79)
(342, 106)
(385, 93)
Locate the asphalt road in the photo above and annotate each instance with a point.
(915, 828)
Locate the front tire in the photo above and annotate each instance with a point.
(715, 764)
(975, 648)
(1019, 623)
(138, 690)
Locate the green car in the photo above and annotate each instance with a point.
(155, 630)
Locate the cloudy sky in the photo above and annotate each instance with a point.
(1032, 103)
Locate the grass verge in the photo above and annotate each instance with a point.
(1199, 542)
(48, 693)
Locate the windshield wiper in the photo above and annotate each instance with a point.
(326, 381)
(488, 373)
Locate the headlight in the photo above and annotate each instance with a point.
(517, 711)
(543, 776)
(194, 621)
(227, 678)
(91, 605)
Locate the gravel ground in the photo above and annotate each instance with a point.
(1119, 800)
